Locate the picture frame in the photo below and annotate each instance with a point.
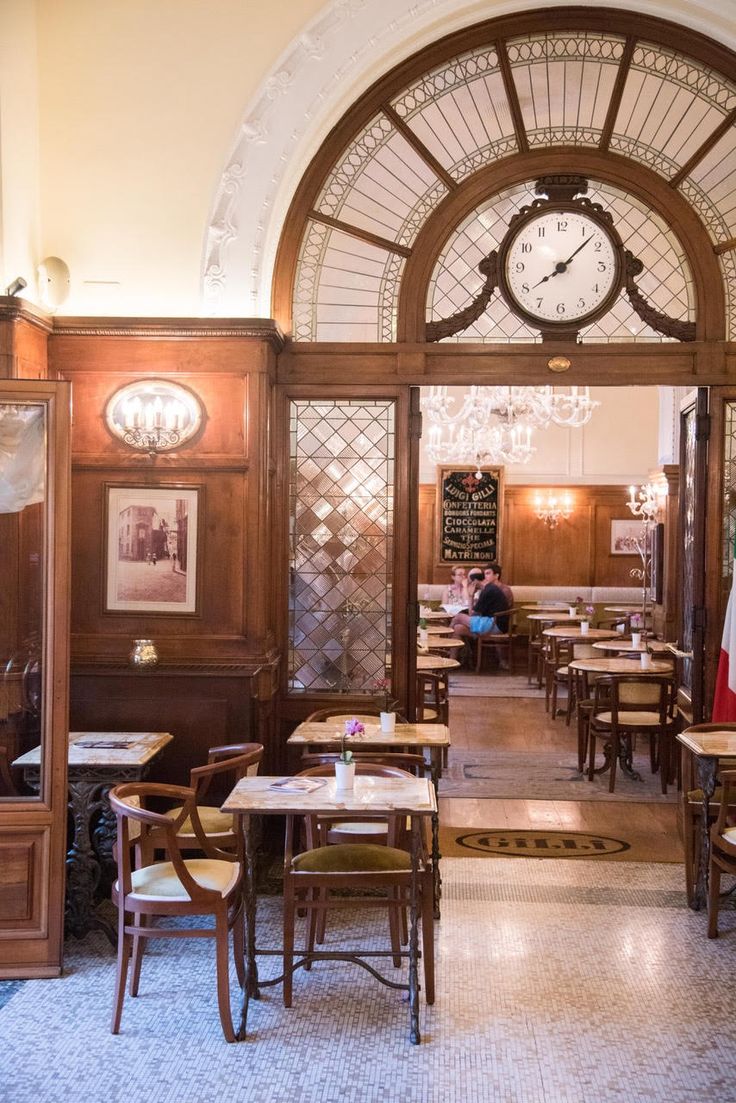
(624, 534)
(151, 556)
(468, 515)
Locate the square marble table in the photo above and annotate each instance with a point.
(258, 796)
(434, 738)
(708, 749)
(97, 761)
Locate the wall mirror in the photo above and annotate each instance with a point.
(23, 556)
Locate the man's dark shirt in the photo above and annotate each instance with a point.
(491, 601)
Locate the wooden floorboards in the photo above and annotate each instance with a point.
(522, 724)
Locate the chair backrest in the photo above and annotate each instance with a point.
(225, 770)
(411, 763)
(318, 827)
(140, 832)
(638, 693)
(583, 650)
(367, 712)
(432, 692)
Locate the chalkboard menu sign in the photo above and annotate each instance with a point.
(469, 514)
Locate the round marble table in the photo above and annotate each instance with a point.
(561, 632)
(620, 666)
(623, 646)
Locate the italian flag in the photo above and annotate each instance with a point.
(724, 700)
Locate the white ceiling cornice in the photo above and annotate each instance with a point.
(317, 78)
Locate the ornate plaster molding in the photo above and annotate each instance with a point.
(324, 69)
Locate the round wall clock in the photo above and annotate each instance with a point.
(560, 265)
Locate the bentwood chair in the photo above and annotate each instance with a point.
(360, 868)
(225, 767)
(691, 805)
(145, 890)
(497, 643)
(722, 849)
(578, 651)
(627, 705)
(433, 698)
(367, 712)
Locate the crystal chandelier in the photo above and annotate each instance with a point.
(495, 424)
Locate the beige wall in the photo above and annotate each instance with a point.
(141, 103)
(620, 443)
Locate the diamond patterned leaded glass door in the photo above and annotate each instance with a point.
(341, 543)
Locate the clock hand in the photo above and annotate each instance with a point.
(561, 265)
(566, 262)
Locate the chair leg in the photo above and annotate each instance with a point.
(714, 892)
(222, 954)
(591, 753)
(570, 698)
(124, 947)
(615, 744)
(315, 917)
(239, 943)
(322, 916)
(288, 959)
(138, 947)
(553, 699)
(428, 935)
(478, 654)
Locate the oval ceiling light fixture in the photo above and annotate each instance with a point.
(154, 415)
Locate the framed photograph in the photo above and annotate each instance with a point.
(624, 537)
(151, 555)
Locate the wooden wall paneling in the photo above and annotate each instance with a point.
(717, 584)
(575, 553)
(24, 332)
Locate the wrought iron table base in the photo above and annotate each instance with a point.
(252, 984)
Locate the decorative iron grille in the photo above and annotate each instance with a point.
(341, 510)
(689, 422)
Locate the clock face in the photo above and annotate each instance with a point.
(561, 266)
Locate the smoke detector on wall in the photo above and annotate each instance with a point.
(53, 282)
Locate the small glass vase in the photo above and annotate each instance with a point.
(144, 655)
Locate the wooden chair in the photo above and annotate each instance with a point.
(691, 807)
(534, 653)
(311, 876)
(497, 642)
(579, 651)
(367, 712)
(433, 698)
(556, 672)
(145, 889)
(627, 705)
(225, 766)
(722, 849)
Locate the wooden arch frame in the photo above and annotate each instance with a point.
(609, 168)
(523, 165)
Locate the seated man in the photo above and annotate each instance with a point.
(484, 619)
(492, 573)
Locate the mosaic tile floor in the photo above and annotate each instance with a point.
(558, 982)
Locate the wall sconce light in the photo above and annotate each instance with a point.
(646, 502)
(554, 509)
(154, 415)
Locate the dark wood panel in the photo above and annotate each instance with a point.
(17, 864)
(200, 711)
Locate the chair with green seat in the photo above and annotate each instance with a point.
(360, 868)
(225, 766)
(145, 890)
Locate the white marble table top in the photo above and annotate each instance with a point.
(405, 796)
(106, 749)
(620, 666)
(404, 735)
(574, 633)
(563, 618)
(438, 630)
(436, 614)
(718, 744)
(436, 662)
(438, 642)
(624, 645)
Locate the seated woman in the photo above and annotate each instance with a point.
(485, 616)
(473, 587)
(456, 593)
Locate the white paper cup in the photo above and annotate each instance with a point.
(636, 639)
(388, 721)
(646, 660)
(621, 628)
(584, 626)
(572, 610)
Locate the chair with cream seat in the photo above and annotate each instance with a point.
(323, 868)
(145, 889)
(225, 766)
(495, 643)
(627, 705)
(366, 712)
(578, 651)
(722, 849)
